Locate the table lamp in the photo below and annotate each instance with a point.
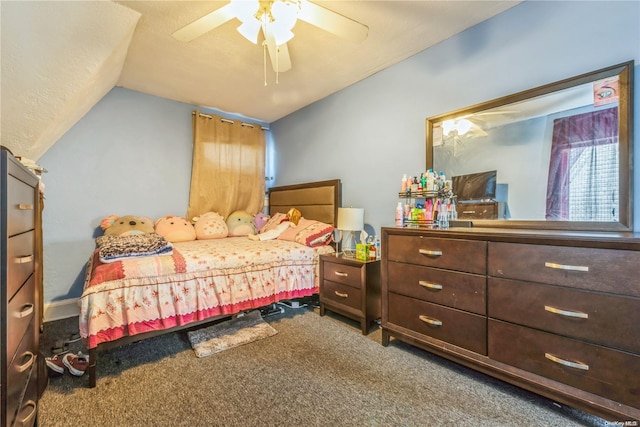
(351, 220)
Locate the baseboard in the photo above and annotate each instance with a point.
(58, 310)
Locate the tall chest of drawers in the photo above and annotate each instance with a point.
(555, 313)
(19, 309)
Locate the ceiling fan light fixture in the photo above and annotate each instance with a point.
(250, 30)
(448, 126)
(463, 126)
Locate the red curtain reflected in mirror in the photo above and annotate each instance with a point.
(583, 170)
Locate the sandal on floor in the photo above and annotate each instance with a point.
(76, 363)
(73, 338)
(59, 348)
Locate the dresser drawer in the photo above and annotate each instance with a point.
(28, 409)
(606, 270)
(480, 210)
(598, 370)
(570, 312)
(18, 373)
(457, 327)
(342, 294)
(20, 260)
(463, 291)
(20, 206)
(451, 254)
(341, 273)
(20, 311)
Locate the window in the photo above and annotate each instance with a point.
(582, 144)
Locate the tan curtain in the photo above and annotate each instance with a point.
(228, 166)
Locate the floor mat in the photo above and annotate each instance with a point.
(232, 333)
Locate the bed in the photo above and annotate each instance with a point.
(203, 280)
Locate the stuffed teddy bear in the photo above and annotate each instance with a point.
(210, 225)
(175, 229)
(128, 225)
(240, 223)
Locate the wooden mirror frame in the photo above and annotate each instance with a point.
(625, 139)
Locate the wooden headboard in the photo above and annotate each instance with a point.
(315, 200)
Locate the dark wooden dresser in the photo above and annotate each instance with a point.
(556, 313)
(19, 294)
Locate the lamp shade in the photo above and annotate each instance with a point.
(351, 219)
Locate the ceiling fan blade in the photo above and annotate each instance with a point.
(205, 24)
(280, 60)
(332, 22)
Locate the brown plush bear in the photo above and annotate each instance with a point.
(128, 225)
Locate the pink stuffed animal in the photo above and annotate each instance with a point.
(175, 229)
(210, 225)
(260, 220)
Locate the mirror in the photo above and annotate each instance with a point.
(560, 154)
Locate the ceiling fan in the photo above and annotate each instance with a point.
(276, 19)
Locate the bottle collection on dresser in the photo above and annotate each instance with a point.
(554, 312)
(429, 201)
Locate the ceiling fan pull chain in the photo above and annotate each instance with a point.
(264, 60)
(277, 63)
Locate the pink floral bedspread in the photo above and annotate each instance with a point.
(201, 279)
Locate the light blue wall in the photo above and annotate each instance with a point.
(373, 132)
(130, 155)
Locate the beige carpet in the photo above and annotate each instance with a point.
(232, 333)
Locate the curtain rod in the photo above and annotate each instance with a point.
(229, 121)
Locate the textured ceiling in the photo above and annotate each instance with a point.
(60, 58)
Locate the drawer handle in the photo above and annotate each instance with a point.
(468, 212)
(567, 313)
(341, 274)
(24, 259)
(430, 253)
(430, 285)
(430, 320)
(25, 207)
(341, 294)
(26, 311)
(566, 267)
(28, 420)
(577, 365)
(29, 362)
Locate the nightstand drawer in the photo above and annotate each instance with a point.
(570, 312)
(343, 273)
(460, 255)
(20, 260)
(457, 327)
(598, 370)
(20, 310)
(341, 294)
(604, 270)
(20, 206)
(463, 291)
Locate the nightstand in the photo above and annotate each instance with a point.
(351, 288)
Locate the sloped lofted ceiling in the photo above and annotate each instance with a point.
(60, 58)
